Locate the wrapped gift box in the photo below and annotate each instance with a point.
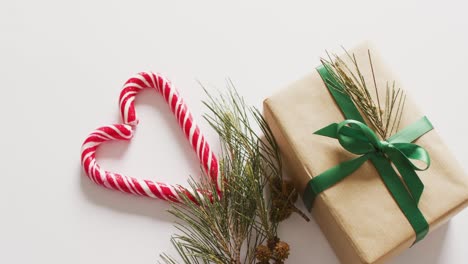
(359, 216)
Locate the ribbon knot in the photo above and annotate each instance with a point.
(383, 145)
(357, 138)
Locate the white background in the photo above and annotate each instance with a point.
(62, 65)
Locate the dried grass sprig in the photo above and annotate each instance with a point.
(384, 116)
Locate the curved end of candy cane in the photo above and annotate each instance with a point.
(116, 131)
(127, 106)
(132, 122)
(96, 138)
(106, 133)
(130, 90)
(127, 111)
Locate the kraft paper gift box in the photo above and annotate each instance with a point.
(358, 215)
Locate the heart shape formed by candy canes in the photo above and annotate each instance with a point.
(124, 131)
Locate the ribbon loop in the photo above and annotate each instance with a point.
(414, 152)
(356, 137)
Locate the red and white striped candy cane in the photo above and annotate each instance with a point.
(124, 131)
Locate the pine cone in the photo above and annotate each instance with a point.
(281, 251)
(271, 243)
(282, 201)
(263, 254)
(288, 191)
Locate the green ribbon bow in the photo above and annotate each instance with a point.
(356, 137)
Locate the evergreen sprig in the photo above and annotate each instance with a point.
(231, 228)
(383, 112)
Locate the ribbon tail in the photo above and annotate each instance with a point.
(412, 132)
(328, 131)
(405, 201)
(332, 131)
(329, 178)
(408, 175)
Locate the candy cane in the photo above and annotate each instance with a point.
(124, 131)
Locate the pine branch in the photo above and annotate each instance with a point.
(383, 117)
(230, 228)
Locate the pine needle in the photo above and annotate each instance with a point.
(384, 119)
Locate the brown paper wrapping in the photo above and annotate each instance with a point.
(359, 217)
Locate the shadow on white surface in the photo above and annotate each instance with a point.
(309, 245)
(427, 251)
(124, 203)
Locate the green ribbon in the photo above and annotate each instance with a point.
(356, 137)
